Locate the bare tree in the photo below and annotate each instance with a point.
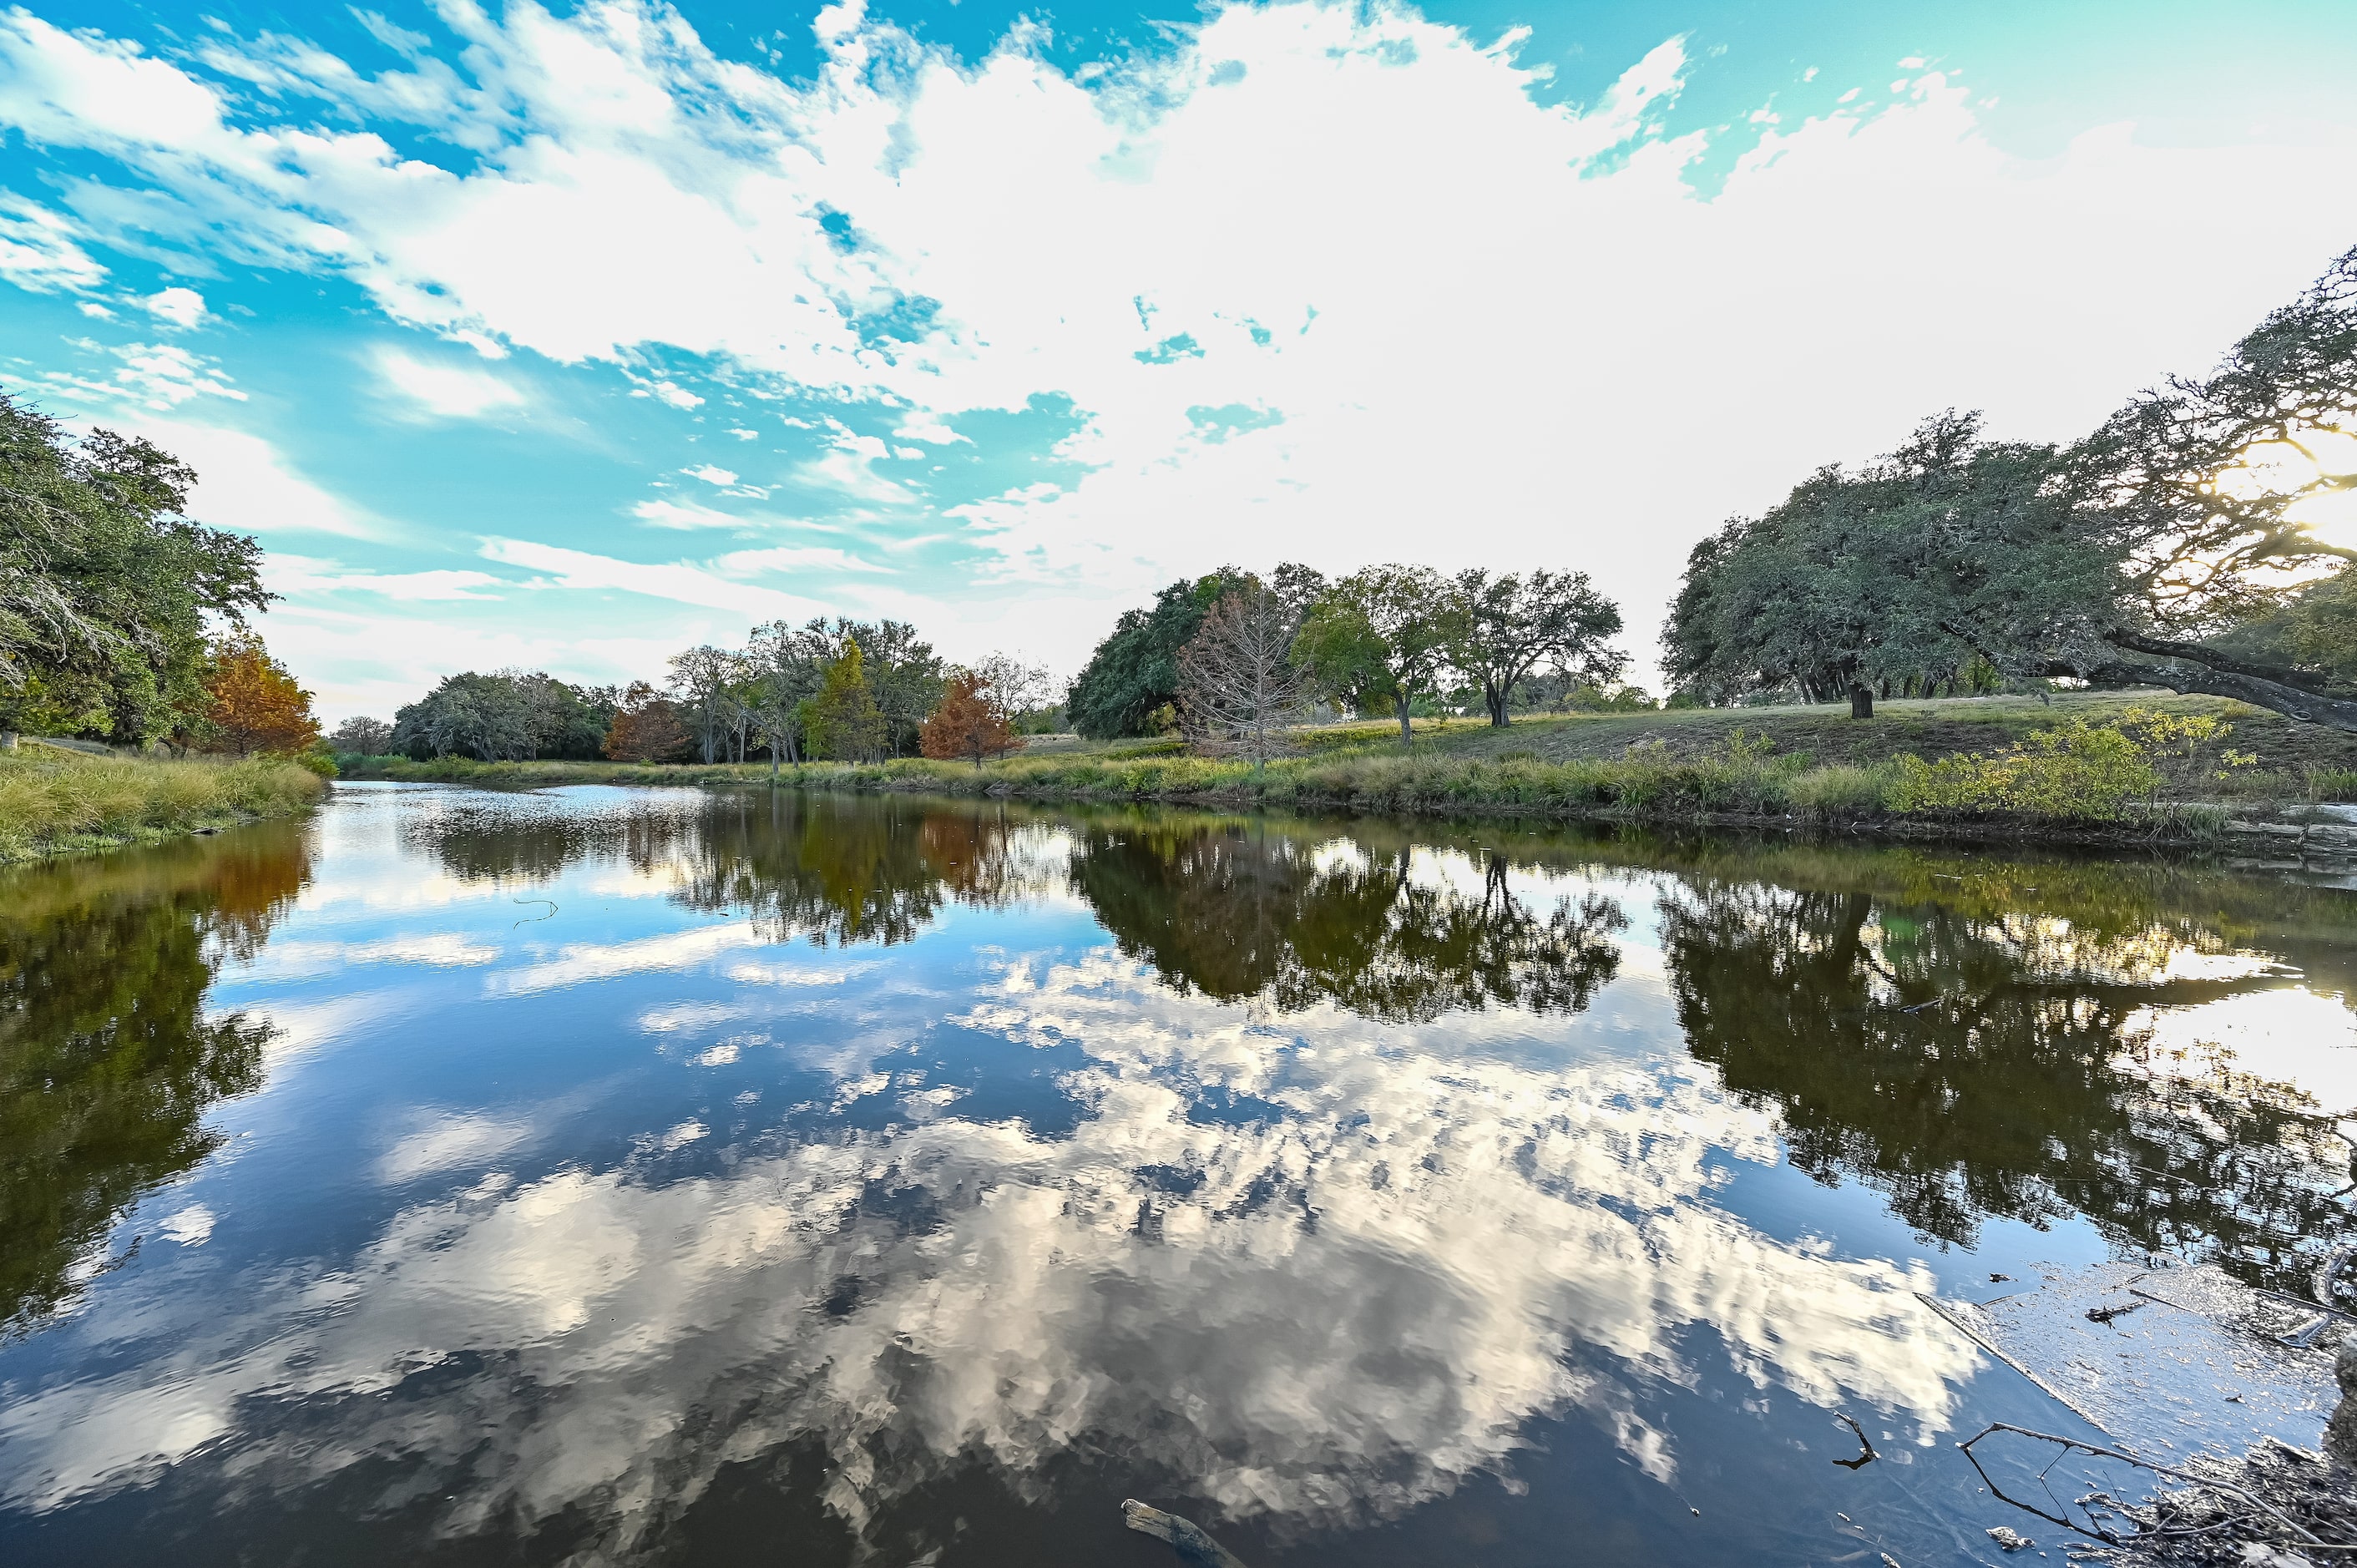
(1239, 688)
(1017, 688)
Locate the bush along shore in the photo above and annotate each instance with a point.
(2165, 773)
(57, 802)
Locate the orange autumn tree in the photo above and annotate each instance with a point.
(970, 722)
(253, 704)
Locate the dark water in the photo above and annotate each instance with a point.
(604, 1176)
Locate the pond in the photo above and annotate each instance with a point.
(598, 1176)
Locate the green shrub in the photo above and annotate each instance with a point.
(2075, 771)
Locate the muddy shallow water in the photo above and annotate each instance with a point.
(632, 1175)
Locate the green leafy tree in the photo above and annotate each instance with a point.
(1513, 624)
(1133, 675)
(1388, 633)
(105, 588)
(1862, 583)
(509, 715)
(2174, 546)
(844, 720)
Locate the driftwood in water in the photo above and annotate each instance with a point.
(1187, 1538)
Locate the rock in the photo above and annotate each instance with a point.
(2011, 1539)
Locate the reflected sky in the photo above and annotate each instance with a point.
(604, 1176)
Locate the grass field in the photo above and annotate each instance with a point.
(54, 801)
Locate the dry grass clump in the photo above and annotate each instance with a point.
(51, 800)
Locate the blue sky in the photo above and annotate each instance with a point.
(567, 337)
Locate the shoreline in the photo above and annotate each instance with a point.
(56, 806)
(2286, 834)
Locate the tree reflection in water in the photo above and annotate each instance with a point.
(1969, 1062)
(107, 1059)
(1971, 1042)
(1241, 912)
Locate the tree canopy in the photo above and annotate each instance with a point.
(510, 715)
(1512, 623)
(2174, 545)
(1384, 633)
(104, 585)
(1134, 673)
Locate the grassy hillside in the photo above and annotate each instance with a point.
(53, 800)
(1808, 763)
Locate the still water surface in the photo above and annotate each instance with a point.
(608, 1175)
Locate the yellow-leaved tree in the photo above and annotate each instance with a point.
(253, 705)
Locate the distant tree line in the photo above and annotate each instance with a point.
(2174, 545)
(1231, 658)
(837, 689)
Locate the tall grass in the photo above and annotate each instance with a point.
(52, 801)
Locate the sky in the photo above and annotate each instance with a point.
(566, 337)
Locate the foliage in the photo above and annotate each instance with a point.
(110, 1055)
(1851, 586)
(786, 664)
(251, 703)
(1134, 673)
(2073, 770)
(1238, 685)
(511, 714)
(970, 722)
(1513, 624)
(2172, 546)
(104, 587)
(362, 736)
(844, 721)
(646, 728)
(1384, 633)
(51, 800)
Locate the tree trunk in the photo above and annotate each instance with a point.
(1861, 701)
(1407, 735)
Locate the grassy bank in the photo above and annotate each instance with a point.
(54, 801)
(2106, 764)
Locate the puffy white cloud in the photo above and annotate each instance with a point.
(710, 473)
(1488, 329)
(179, 307)
(450, 392)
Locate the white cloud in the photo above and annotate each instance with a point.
(1464, 304)
(157, 376)
(245, 483)
(452, 392)
(710, 473)
(661, 513)
(181, 308)
(37, 251)
(795, 558)
(291, 575)
(679, 582)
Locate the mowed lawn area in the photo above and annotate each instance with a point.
(1931, 729)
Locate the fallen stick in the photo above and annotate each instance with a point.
(2185, 1477)
(1186, 1537)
